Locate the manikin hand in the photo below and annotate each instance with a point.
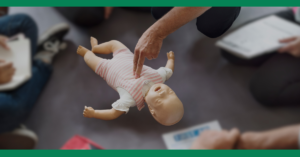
(292, 47)
(88, 112)
(212, 139)
(171, 55)
(6, 71)
(3, 42)
(148, 46)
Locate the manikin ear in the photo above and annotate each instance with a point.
(151, 111)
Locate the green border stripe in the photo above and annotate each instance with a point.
(150, 3)
(149, 153)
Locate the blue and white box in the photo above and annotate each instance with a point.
(183, 139)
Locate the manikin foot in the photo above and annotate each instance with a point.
(82, 51)
(94, 42)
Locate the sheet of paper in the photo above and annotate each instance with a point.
(258, 37)
(19, 54)
(183, 139)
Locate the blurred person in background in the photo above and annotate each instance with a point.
(277, 80)
(16, 104)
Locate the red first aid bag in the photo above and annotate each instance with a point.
(79, 142)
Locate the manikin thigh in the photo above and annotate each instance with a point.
(92, 60)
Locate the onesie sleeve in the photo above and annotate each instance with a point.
(125, 102)
(120, 106)
(165, 73)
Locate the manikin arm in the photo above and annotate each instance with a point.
(109, 114)
(171, 59)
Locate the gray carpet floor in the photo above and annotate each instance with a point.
(209, 87)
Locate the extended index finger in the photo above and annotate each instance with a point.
(135, 60)
(140, 66)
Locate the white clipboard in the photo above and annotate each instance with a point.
(259, 37)
(20, 55)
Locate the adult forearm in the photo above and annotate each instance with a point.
(285, 138)
(150, 43)
(280, 138)
(174, 19)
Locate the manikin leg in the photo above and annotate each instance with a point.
(89, 57)
(92, 61)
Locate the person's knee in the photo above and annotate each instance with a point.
(84, 16)
(8, 104)
(277, 81)
(263, 91)
(23, 17)
(213, 29)
(269, 94)
(25, 20)
(217, 20)
(209, 32)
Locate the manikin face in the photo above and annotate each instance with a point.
(164, 105)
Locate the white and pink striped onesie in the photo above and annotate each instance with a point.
(118, 73)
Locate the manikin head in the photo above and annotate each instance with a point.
(164, 105)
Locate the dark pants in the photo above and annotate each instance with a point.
(277, 81)
(15, 105)
(90, 16)
(83, 16)
(213, 23)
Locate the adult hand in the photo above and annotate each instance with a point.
(6, 71)
(107, 12)
(292, 47)
(148, 46)
(151, 41)
(212, 139)
(3, 42)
